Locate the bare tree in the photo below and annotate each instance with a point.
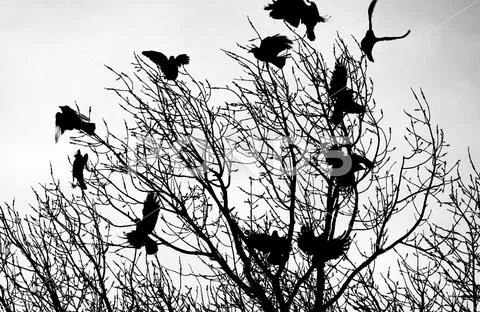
(252, 202)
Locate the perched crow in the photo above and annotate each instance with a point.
(69, 119)
(275, 246)
(319, 247)
(79, 164)
(288, 10)
(370, 39)
(269, 49)
(358, 163)
(296, 11)
(310, 18)
(169, 66)
(307, 242)
(139, 237)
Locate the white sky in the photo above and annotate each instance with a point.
(53, 54)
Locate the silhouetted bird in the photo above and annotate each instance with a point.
(310, 18)
(269, 49)
(79, 164)
(69, 119)
(288, 10)
(339, 79)
(358, 163)
(139, 237)
(343, 97)
(370, 39)
(274, 245)
(319, 247)
(344, 104)
(296, 11)
(168, 66)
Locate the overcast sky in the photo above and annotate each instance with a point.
(53, 54)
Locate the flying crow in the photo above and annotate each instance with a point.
(139, 237)
(269, 49)
(168, 66)
(69, 119)
(296, 11)
(370, 39)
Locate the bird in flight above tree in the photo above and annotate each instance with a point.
(168, 66)
(370, 39)
(69, 119)
(296, 11)
(269, 49)
(79, 164)
(140, 236)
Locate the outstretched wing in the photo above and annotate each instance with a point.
(157, 57)
(276, 44)
(182, 59)
(339, 79)
(150, 213)
(371, 7)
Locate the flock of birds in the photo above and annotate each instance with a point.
(275, 247)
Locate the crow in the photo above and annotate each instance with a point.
(288, 10)
(269, 49)
(344, 104)
(169, 66)
(296, 11)
(310, 18)
(79, 164)
(338, 83)
(358, 163)
(69, 119)
(139, 237)
(321, 248)
(370, 39)
(275, 246)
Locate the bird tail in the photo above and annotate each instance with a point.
(150, 246)
(135, 239)
(279, 61)
(310, 33)
(88, 127)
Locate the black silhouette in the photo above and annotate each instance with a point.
(69, 119)
(320, 247)
(269, 49)
(358, 163)
(79, 164)
(310, 18)
(168, 66)
(338, 83)
(288, 10)
(296, 11)
(370, 39)
(274, 245)
(343, 97)
(139, 237)
(344, 104)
